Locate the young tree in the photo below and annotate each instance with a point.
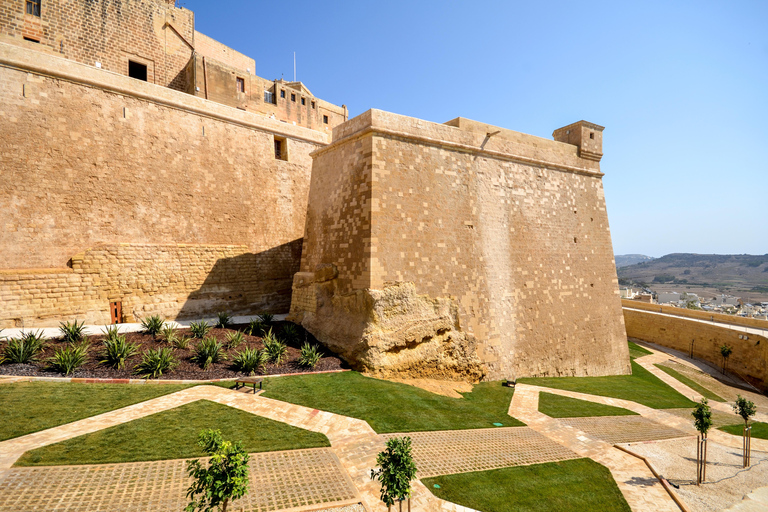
(224, 480)
(726, 352)
(746, 409)
(396, 470)
(702, 421)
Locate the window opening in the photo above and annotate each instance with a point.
(282, 94)
(137, 70)
(325, 119)
(303, 101)
(293, 97)
(240, 84)
(313, 104)
(31, 39)
(592, 135)
(269, 97)
(281, 149)
(33, 8)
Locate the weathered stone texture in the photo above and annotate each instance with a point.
(504, 238)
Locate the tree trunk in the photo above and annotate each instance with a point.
(224, 505)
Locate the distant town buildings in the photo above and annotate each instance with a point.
(719, 304)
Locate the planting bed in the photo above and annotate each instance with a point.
(187, 369)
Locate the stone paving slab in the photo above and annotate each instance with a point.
(623, 429)
(462, 451)
(278, 481)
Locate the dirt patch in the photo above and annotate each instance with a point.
(187, 369)
(449, 388)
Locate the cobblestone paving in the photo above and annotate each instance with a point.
(279, 480)
(462, 451)
(623, 429)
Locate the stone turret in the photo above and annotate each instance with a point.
(587, 136)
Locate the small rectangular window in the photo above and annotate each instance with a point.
(240, 84)
(31, 40)
(282, 94)
(592, 135)
(269, 97)
(313, 104)
(281, 149)
(325, 119)
(293, 97)
(303, 101)
(137, 70)
(33, 7)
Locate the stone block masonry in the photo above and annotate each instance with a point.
(461, 250)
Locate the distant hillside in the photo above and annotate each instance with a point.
(625, 260)
(735, 271)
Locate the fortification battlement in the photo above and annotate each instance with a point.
(588, 137)
(466, 135)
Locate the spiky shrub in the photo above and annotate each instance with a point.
(200, 329)
(266, 319)
(117, 351)
(72, 332)
(152, 324)
(255, 328)
(155, 362)
(208, 352)
(223, 320)
(68, 359)
(275, 348)
(111, 332)
(181, 342)
(169, 333)
(234, 339)
(23, 350)
(291, 333)
(310, 355)
(250, 361)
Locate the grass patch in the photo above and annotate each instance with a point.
(571, 485)
(33, 406)
(759, 429)
(690, 383)
(557, 406)
(641, 387)
(173, 434)
(636, 351)
(394, 407)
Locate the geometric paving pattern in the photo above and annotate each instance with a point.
(278, 480)
(623, 429)
(462, 451)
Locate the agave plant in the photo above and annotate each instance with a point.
(234, 339)
(68, 359)
(72, 332)
(111, 332)
(181, 342)
(291, 332)
(199, 329)
(155, 362)
(275, 348)
(310, 355)
(23, 350)
(117, 351)
(152, 324)
(266, 319)
(223, 320)
(250, 360)
(169, 333)
(208, 352)
(255, 328)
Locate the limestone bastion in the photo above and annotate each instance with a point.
(461, 251)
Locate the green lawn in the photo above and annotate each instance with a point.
(393, 407)
(636, 350)
(33, 406)
(690, 383)
(173, 434)
(759, 430)
(573, 485)
(641, 387)
(557, 406)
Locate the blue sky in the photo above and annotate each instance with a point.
(681, 87)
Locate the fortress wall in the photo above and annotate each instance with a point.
(93, 159)
(501, 264)
(750, 352)
(693, 313)
(109, 32)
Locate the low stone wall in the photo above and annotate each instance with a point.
(176, 281)
(694, 313)
(750, 352)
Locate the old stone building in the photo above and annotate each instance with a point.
(146, 168)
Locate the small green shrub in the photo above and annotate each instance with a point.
(255, 328)
(234, 339)
(23, 350)
(72, 332)
(275, 348)
(68, 359)
(200, 329)
(223, 320)
(251, 360)
(169, 333)
(117, 351)
(208, 352)
(111, 332)
(310, 355)
(224, 480)
(181, 342)
(152, 324)
(155, 362)
(291, 333)
(266, 319)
